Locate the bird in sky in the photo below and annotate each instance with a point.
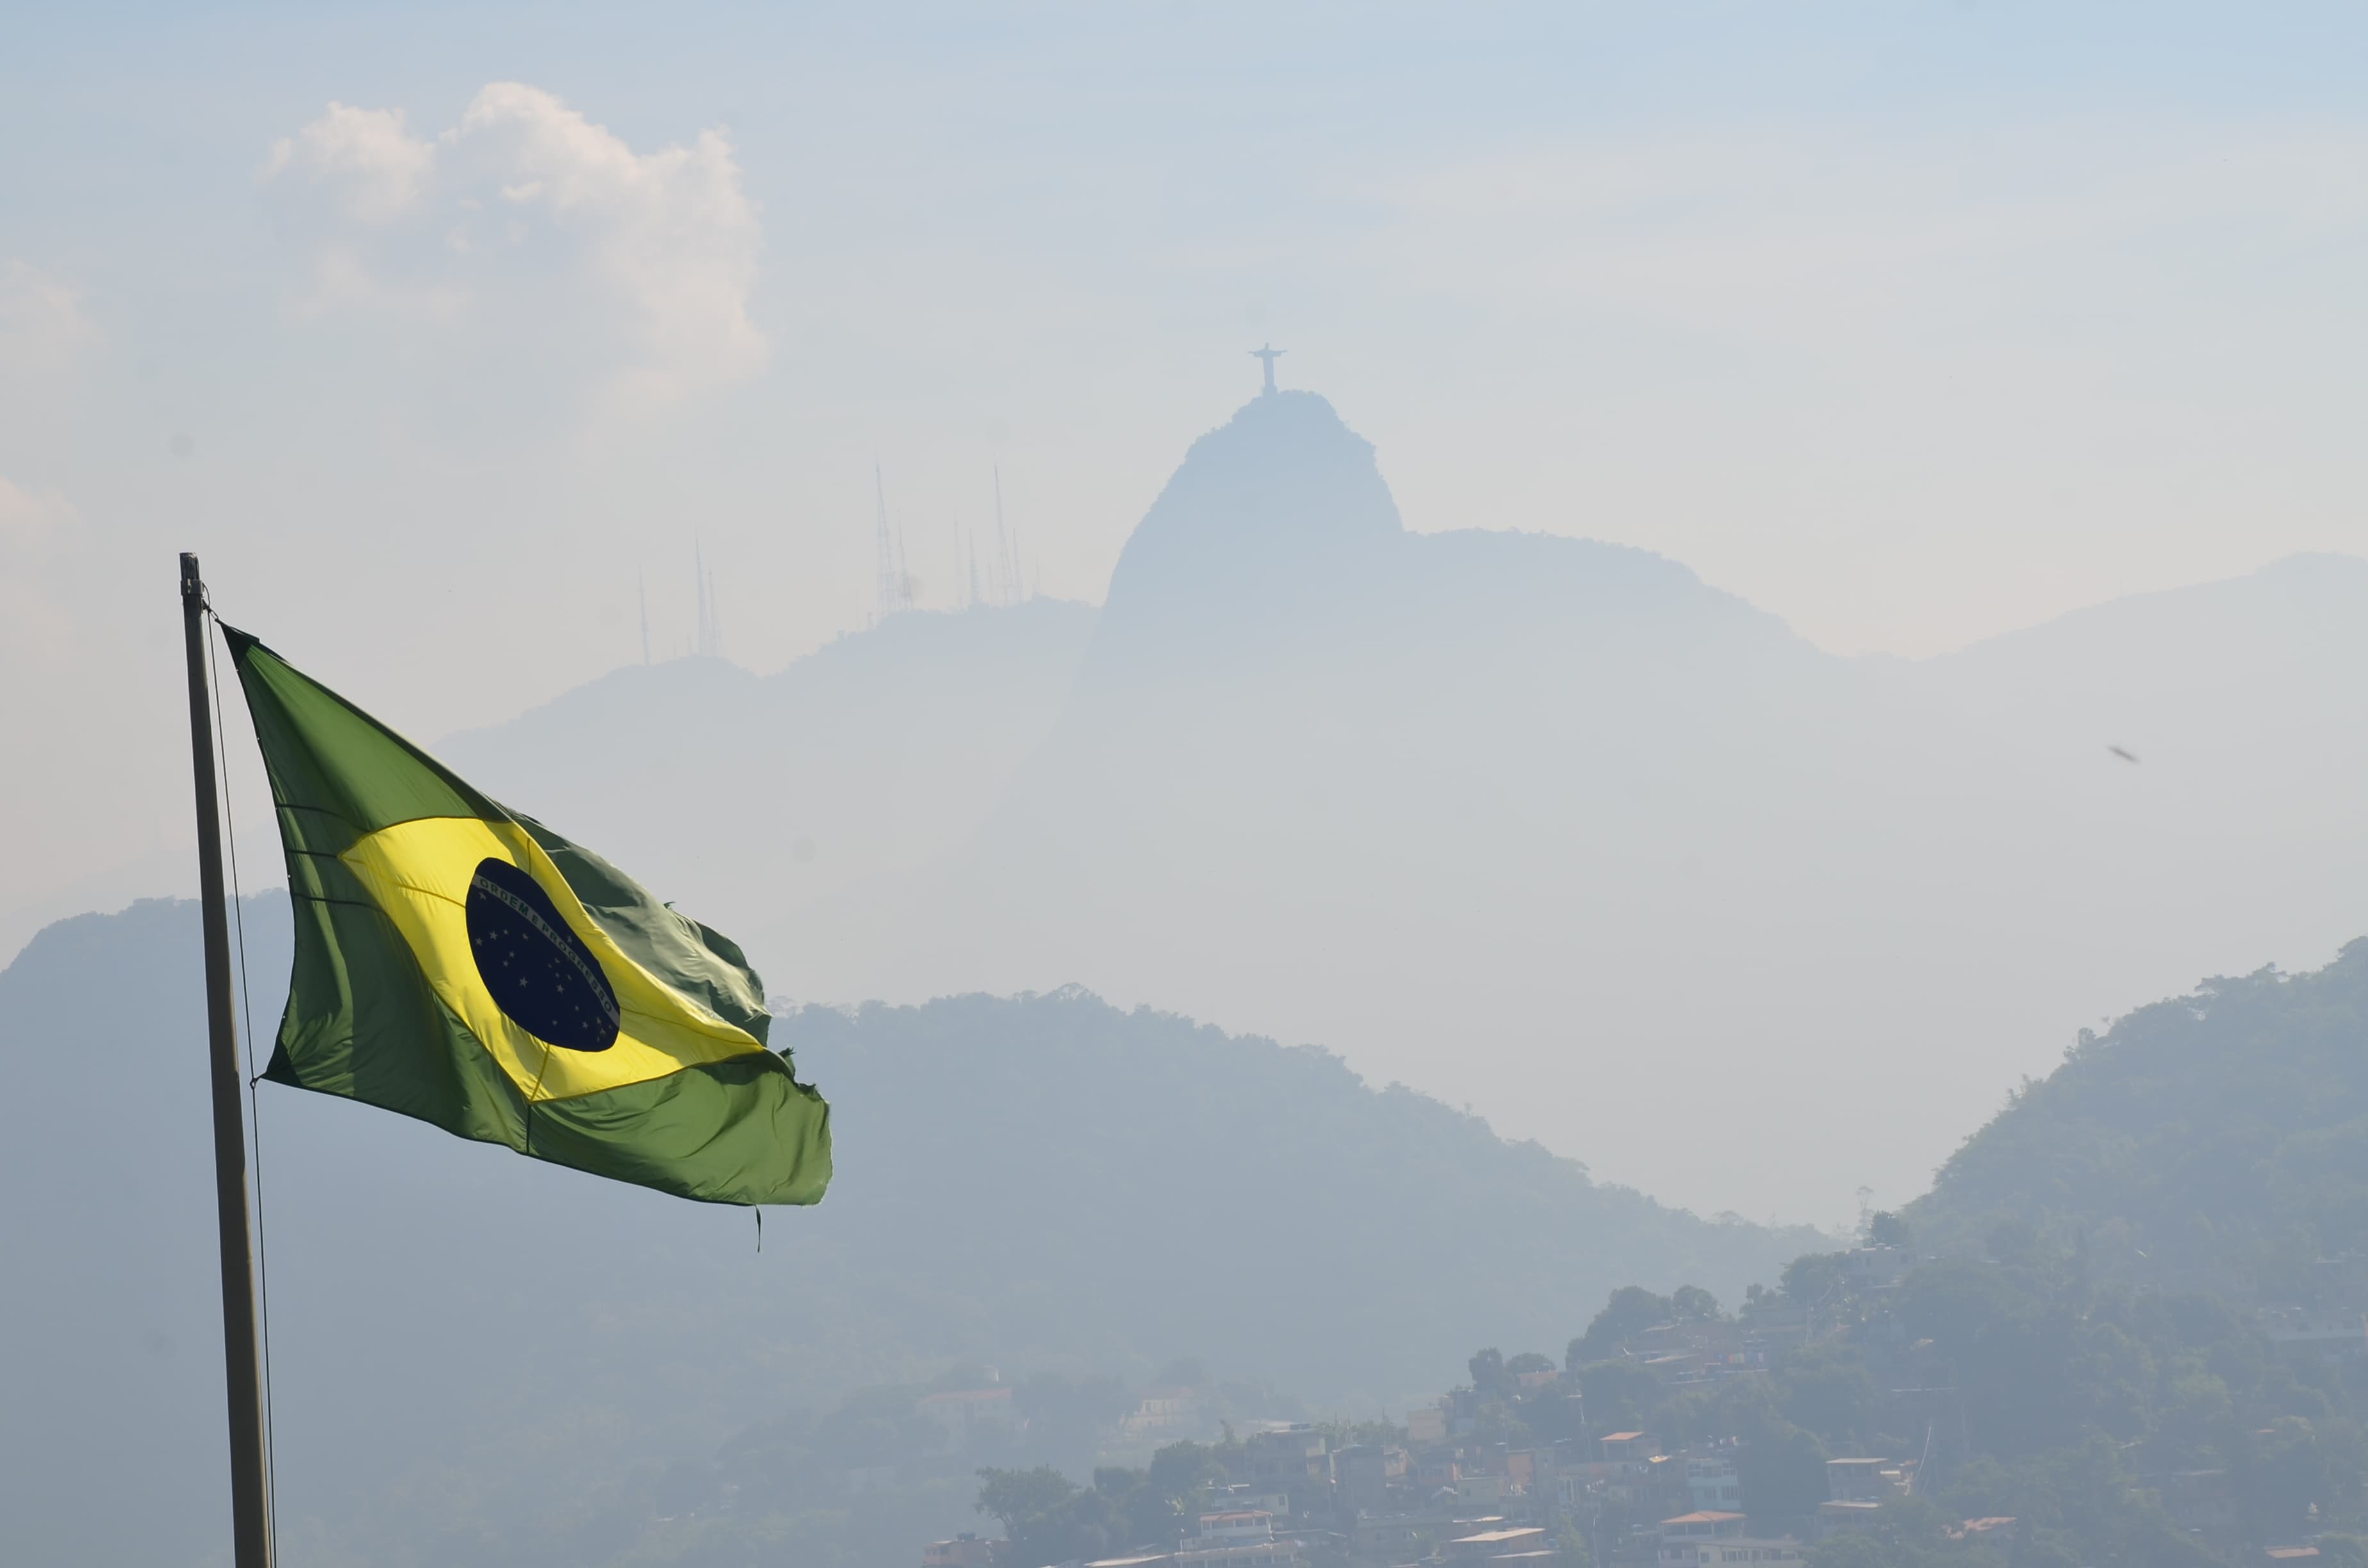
(2124, 755)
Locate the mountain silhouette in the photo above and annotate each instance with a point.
(794, 804)
(1618, 834)
(1534, 820)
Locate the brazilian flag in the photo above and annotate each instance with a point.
(461, 963)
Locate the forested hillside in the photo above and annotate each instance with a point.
(2101, 1422)
(2218, 1138)
(1044, 1185)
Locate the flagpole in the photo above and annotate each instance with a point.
(249, 1494)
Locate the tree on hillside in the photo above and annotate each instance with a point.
(2282, 1473)
(1179, 1470)
(1032, 1507)
(1908, 1532)
(1828, 1389)
(1692, 1303)
(2013, 1241)
(1063, 1413)
(1631, 1310)
(1782, 1467)
(2337, 1550)
(1951, 1301)
(1620, 1395)
(1499, 1405)
(1812, 1276)
(1151, 1516)
(1050, 1520)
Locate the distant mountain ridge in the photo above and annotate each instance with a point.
(1042, 1183)
(1330, 778)
(1348, 782)
(1276, 551)
(794, 806)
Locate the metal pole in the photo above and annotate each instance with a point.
(249, 1494)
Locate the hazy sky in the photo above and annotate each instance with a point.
(439, 332)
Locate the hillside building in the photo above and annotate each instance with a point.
(1237, 1538)
(964, 1550)
(1715, 1535)
(1517, 1544)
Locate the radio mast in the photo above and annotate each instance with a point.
(1007, 552)
(891, 589)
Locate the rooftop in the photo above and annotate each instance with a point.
(1702, 1516)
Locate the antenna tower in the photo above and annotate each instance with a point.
(1007, 561)
(704, 638)
(890, 590)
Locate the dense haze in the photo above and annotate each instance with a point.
(1787, 578)
(448, 335)
(1603, 832)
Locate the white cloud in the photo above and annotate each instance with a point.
(544, 225)
(42, 327)
(33, 529)
(375, 170)
(670, 231)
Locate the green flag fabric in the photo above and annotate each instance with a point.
(465, 965)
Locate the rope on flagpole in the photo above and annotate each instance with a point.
(254, 1105)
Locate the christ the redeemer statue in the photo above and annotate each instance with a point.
(1265, 358)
